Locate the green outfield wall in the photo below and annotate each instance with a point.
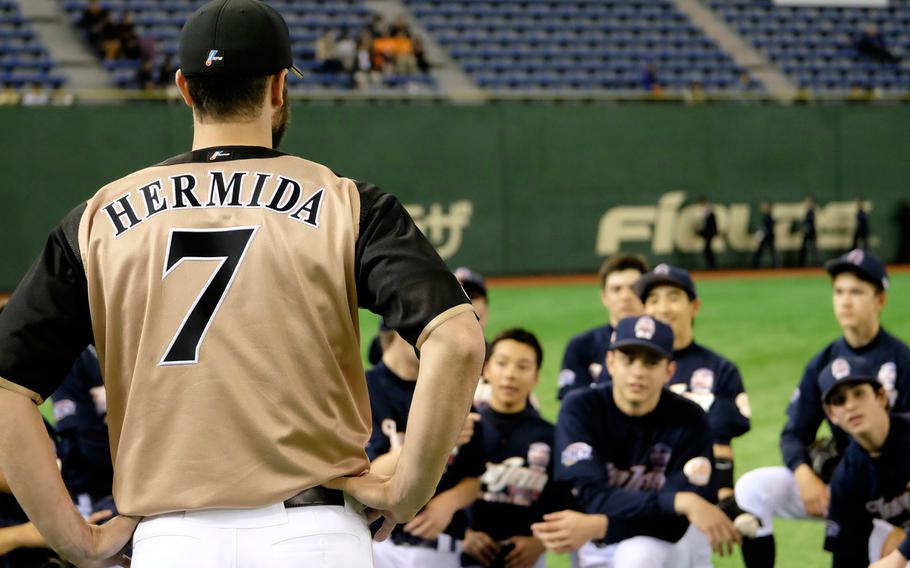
(515, 188)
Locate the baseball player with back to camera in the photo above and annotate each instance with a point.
(221, 290)
(433, 537)
(872, 481)
(799, 490)
(713, 382)
(583, 361)
(517, 487)
(639, 458)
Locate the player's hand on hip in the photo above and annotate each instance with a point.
(432, 520)
(480, 546)
(813, 492)
(467, 431)
(566, 531)
(710, 520)
(526, 552)
(893, 560)
(379, 494)
(106, 543)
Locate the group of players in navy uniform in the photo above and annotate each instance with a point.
(638, 471)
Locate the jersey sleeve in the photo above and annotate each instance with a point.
(379, 443)
(849, 525)
(804, 416)
(728, 415)
(399, 275)
(47, 323)
(574, 372)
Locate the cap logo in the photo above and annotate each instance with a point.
(856, 256)
(645, 328)
(662, 269)
(214, 57)
(840, 368)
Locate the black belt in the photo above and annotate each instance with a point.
(314, 496)
(401, 538)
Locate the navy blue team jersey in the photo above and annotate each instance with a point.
(390, 403)
(631, 468)
(805, 413)
(517, 487)
(80, 409)
(865, 488)
(584, 362)
(714, 383)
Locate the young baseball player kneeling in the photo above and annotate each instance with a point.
(639, 458)
(517, 487)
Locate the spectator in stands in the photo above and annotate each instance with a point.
(92, 20)
(346, 49)
(110, 39)
(327, 53)
(9, 96)
(36, 96)
(870, 43)
(365, 75)
(167, 71)
(695, 94)
(808, 251)
(650, 81)
(743, 87)
(144, 76)
(707, 230)
(376, 27)
(405, 61)
(765, 236)
(129, 41)
(384, 55)
(420, 55)
(861, 231)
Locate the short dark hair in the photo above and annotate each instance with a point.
(521, 336)
(223, 98)
(621, 261)
(474, 291)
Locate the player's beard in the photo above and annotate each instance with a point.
(280, 120)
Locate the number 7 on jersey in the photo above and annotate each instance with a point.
(228, 247)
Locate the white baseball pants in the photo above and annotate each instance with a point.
(691, 551)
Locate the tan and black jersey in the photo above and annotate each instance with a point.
(221, 290)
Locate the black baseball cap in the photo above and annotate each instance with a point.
(234, 38)
(664, 274)
(644, 331)
(846, 370)
(864, 264)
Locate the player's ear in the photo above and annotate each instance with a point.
(696, 306)
(180, 80)
(671, 370)
(831, 416)
(276, 88)
(609, 361)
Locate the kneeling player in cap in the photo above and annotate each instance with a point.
(872, 479)
(639, 458)
(517, 488)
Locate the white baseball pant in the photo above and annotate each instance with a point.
(447, 554)
(691, 551)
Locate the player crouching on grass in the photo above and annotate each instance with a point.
(517, 487)
(872, 480)
(639, 458)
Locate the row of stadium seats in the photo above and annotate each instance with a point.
(23, 59)
(575, 45)
(816, 46)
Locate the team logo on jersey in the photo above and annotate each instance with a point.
(63, 409)
(218, 154)
(99, 397)
(645, 328)
(887, 376)
(576, 452)
(856, 256)
(539, 455)
(698, 471)
(840, 368)
(510, 482)
(566, 377)
(214, 57)
(894, 510)
(742, 403)
(832, 529)
(662, 269)
(702, 381)
(660, 456)
(390, 429)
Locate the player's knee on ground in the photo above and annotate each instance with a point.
(764, 493)
(642, 552)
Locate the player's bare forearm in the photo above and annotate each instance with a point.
(20, 536)
(28, 460)
(450, 363)
(462, 495)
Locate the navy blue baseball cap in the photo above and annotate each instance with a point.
(846, 370)
(643, 331)
(664, 274)
(471, 279)
(864, 264)
(233, 38)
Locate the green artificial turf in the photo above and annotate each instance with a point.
(769, 327)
